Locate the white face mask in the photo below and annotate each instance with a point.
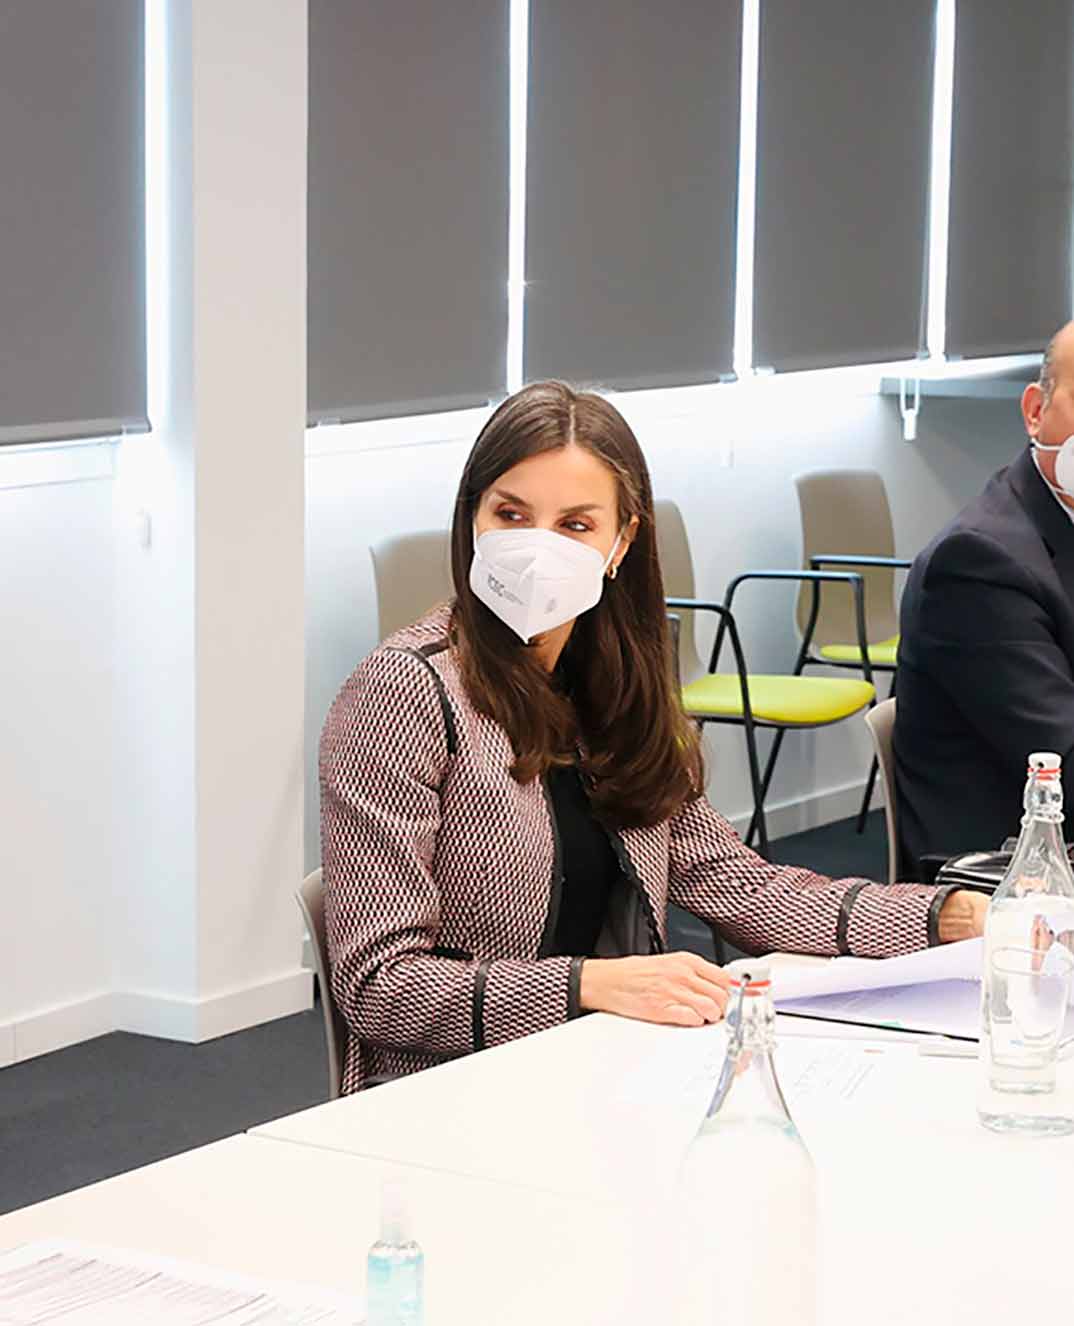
(1064, 464)
(535, 579)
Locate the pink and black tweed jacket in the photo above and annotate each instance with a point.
(442, 876)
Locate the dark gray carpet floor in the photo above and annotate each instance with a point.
(120, 1101)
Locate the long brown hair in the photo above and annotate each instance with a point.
(616, 694)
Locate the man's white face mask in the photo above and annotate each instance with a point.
(1064, 464)
(536, 579)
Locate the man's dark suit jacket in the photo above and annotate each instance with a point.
(986, 666)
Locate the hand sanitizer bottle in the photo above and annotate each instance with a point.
(395, 1268)
(1027, 1031)
(747, 1189)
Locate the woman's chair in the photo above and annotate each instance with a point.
(846, 522)
(412, 574)
(310, 899)
(880, 721)
(752, 700)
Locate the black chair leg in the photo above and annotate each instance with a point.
(757, 820)
(766, 782)
(870, 784)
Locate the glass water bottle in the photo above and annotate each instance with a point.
(747, 1188)
(1027, 1071)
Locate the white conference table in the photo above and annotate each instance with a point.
(494, 1254)
(925, 1216)
(537, 1175)
(561, 1110)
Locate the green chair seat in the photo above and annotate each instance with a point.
(882, 654)
(795, 701)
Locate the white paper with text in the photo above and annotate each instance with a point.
(74, 1284)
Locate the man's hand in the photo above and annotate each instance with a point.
(676, 988)
(962, 915)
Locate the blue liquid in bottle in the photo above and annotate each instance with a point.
(395, 1269)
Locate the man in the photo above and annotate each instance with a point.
(986, 656)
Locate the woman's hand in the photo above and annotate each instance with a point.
(962, 915)
(677, 988)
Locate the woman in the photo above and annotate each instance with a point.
(511, 793)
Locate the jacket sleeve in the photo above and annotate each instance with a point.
(384, 754)
(990, 642)
(765, 908)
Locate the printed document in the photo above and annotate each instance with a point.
(678, 1075)
(78, 1285)
(936, 990)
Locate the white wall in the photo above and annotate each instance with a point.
(56, 844)
(210, 640)
(153, 741)
(739, 515)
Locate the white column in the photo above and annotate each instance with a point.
(210, 638)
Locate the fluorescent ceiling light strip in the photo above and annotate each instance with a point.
(742, 357)
(943, 99)
(157, 167)
(516, 222)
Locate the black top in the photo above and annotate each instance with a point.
(589, 865)
(986, 665)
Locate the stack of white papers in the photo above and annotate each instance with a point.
(936, 990)
(77, 1285)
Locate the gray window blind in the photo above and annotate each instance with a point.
(1009, 277)
(72, 219)
(632, 175)
(843, 138)
(408, 166)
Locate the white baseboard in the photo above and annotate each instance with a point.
(197, 1020)
(801, 813)
(167, 1016)
(51, 1029)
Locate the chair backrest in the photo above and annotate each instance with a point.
(413, 574)
(673, 549)
(847, 512)
(310, 898)
(881, 722)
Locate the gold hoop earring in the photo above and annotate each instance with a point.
(613, 571)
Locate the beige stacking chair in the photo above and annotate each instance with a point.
(846, 522)
(751, 700)
(413, 574)
(881, 723)
(310, 898)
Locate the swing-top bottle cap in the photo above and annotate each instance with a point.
(1044, 762)
(755, 975)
